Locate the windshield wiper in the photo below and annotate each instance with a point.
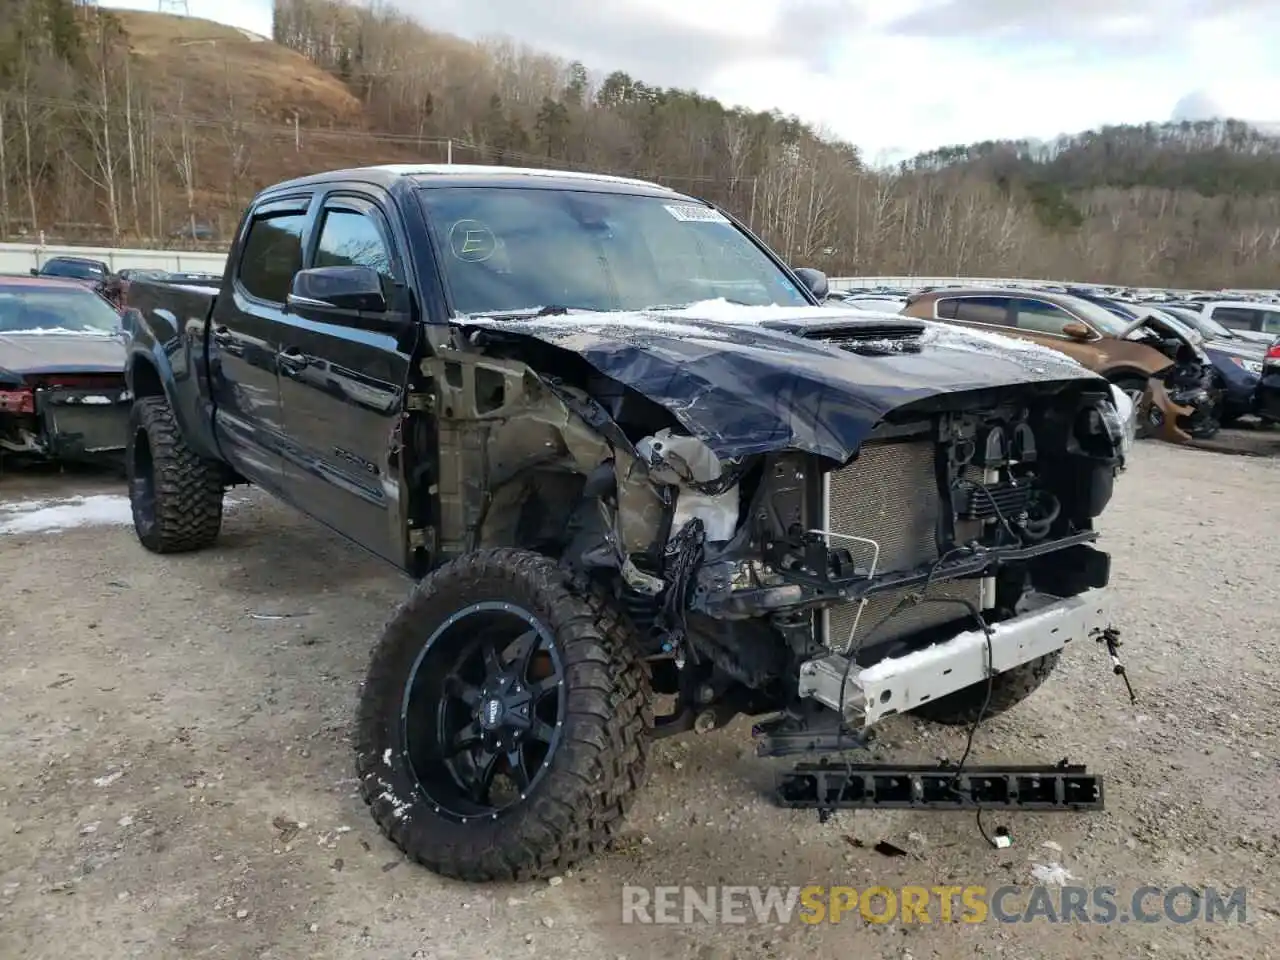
(550, 310)
(559, 310)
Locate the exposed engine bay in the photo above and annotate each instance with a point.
(789, 560)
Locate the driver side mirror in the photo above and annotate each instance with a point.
(815, 281)
(355, 289)
(1077, 331)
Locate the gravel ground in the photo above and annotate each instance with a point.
(175, 777)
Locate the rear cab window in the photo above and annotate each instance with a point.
(272, 251)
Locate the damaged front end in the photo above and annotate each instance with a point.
(853, 556)
(57, 417)
(1182, 400)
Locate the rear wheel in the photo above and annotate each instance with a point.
(175, 494)
(504, 724)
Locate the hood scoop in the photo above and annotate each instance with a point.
(878, 337)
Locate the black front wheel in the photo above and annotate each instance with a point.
(504, 723)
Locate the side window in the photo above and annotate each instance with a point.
(349, 238)
(272, 254)
(946, 309)
(1236, 318)
(990, 310)
(1038, 316)
(1270, 321)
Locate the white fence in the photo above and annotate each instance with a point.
(24, 257)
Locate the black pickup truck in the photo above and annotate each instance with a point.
(624, 450)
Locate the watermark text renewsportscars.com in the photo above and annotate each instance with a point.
(815, 904)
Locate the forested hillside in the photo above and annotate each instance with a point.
(126, 127)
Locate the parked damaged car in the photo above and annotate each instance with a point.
(1156, 361)
(1268, 401)
(62, 386)
(625, 451)
(1237, 360)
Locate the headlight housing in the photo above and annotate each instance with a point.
(1248, 366)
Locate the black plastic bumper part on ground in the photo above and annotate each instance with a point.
(860, 786)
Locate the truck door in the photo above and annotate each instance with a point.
(244, 341)
(342, 390)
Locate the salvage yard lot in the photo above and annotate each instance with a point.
(175, 779)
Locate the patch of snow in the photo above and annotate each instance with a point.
(65, 332)
(1050, 874)
(42, 516)
(721, 310)
(250, 35)
(621, 319)
(980, 341)
(52, 516)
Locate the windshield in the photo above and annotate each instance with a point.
(78, 269)
(1178, 325)
(1206, 325)
(515, 249)
(77, 311)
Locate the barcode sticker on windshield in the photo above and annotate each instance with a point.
(695, 213)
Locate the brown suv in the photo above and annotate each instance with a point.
(1107, 344)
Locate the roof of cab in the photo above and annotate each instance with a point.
(478, 174)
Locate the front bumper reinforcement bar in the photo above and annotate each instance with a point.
(899, 684)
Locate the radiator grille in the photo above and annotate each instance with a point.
(890, 495)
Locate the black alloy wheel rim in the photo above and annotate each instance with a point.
(142, 484)
(483, 711)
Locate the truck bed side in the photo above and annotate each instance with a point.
(166, 326)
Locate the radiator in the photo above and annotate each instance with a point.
(890, 495)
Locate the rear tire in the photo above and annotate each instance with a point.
(1008, 689)
(175, 494)
(445, 720)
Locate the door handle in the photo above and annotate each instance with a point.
(222, 335)
(292, 360)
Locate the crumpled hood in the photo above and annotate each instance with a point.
(750, 380)
(61, 352)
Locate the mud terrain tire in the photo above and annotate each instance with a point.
(175, 494)
(577, 803)
(1007, 689)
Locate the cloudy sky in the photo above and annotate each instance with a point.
(898, 76)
